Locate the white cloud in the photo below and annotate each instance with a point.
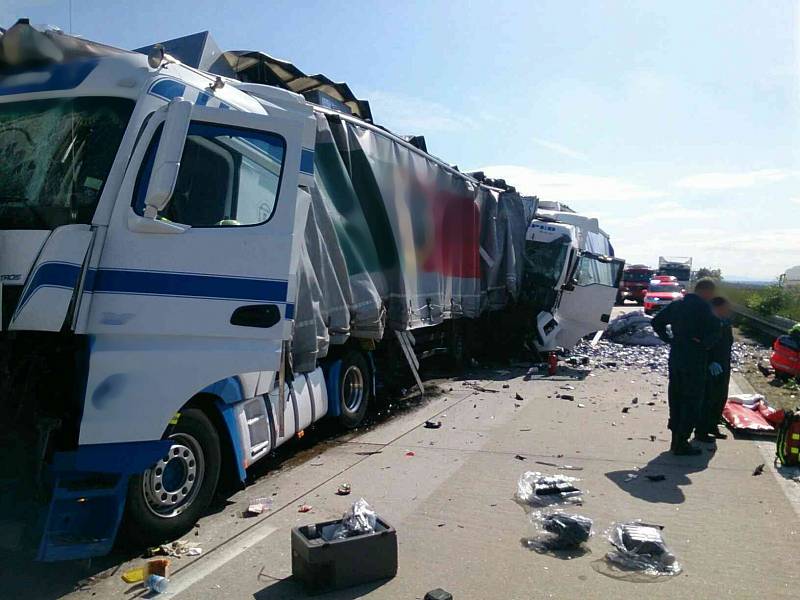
(559, 148)
(730, 181)
(409, 115)
(570, 187)
(795, 200)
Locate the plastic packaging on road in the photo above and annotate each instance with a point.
(641, 547)
(560, 531)
(156, 584)
(537, 489)
(358, 520)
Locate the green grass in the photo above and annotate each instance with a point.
(768, 300)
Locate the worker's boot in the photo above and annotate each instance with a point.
(681, 447)
(703, 437)
(717, 434)
(686, 449)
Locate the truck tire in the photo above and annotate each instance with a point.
(165, 501)
(355, 389)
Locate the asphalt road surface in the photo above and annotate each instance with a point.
(448, 492)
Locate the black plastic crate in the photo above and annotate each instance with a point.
(322, 565)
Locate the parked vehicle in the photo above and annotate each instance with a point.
(635, 279)
(679, 267)
(660, 294)
(197, 266)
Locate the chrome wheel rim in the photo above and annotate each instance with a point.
(353, 389)
(172, 484)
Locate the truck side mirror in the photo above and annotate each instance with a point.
(167, 161)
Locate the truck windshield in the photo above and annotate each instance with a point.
(544, 263)
(638, 276)
(55, 156)
(679, 273)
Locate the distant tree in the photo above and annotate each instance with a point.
(711, 273)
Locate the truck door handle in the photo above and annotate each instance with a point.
(256, 315)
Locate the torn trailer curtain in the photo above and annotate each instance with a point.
(394, 239)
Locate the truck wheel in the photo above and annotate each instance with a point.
(165, 501)
(355, 389)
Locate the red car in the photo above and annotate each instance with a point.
(660, 294)
(635, 279)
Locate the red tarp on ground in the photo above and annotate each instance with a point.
(754, 417)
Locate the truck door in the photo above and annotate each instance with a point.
(202, 291)
(587, 302)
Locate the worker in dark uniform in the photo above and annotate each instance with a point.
(719, 370)
(693, 331)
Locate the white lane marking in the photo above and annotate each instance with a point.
(789, 488)
(218, 557)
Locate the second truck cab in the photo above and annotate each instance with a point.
(635, 280)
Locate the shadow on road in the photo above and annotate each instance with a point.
(675, 469)
(288, 589)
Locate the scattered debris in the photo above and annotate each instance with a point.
(559, 531)
(538, 489)
(626, 409)
(410, 453)
(569, 397)
(519, 457)
(635, 400)
(478, 387)
(581, 405)
(518, 397)
(369, 452)
(438, 594)
(258, 506)
(174, 549)
(357, 520)
(433, 424)
(343, 489)
(304, 508)
(630, 477)
(639, 546)
(557, 466)
(765, 370)
(135, 575)
(506, 386)
(156, 584)
(758, 470)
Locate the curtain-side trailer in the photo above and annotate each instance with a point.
(195, 267)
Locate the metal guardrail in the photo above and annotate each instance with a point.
(773, 326)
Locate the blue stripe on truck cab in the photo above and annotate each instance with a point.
(51, 274)
(193, 285)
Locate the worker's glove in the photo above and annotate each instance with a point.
(715, 369)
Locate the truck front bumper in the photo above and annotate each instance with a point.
(89, 486)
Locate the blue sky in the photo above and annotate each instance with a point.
(676, 123)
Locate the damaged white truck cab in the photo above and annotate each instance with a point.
(196, 266)
(571, 274)
(150, 224)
